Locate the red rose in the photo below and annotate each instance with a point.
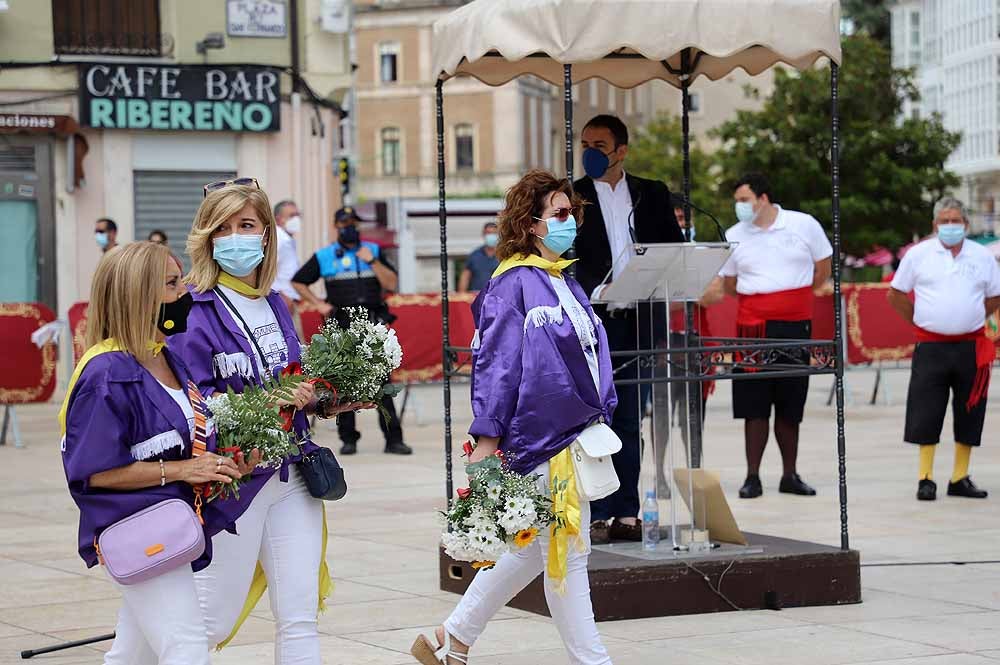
(499, 454)
(464, 493)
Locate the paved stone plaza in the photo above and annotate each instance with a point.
(383, 554)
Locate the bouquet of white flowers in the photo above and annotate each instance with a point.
(356, 361)
(499, 510)
(248, 420)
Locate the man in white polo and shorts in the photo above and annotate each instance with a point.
(781, 256)
(956, 286)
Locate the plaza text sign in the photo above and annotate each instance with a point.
(210, 99)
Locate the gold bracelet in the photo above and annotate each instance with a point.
(163, 474)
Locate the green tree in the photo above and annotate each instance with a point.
(869, 17)
(892, 170)
(656, 152)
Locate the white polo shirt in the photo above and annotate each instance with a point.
(288, 265)
(779, 258)
(950, 291)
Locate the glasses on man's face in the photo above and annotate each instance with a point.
(222, 184)
(562, 214)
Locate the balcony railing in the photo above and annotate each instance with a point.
(107, 27)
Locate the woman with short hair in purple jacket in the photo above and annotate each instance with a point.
(541, 374)
(129, 443)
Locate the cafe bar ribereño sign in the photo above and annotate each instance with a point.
(180, 98)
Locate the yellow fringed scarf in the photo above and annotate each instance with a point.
(566, 506)
(554, 268)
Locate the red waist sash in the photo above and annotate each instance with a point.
(756, 310)
(985, 352)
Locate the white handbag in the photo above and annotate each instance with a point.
(592, 451)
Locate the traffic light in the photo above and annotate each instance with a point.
(344, 175)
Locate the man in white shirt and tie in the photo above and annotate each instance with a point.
(620, 205)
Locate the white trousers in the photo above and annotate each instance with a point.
(160, 623)
(283, 529)
(571, 611)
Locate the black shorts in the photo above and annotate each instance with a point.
(753, 398)
(940, 370)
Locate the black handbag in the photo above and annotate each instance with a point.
(323, 475)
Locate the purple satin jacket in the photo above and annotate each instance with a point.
(214, 347)
(531, 385)
(119, 414)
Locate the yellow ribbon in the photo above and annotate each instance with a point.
(227, 280)
(566, 527)
(259, 585)
(554, 268)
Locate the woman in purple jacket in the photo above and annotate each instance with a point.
(240, 332)
(541, 374)
(128, 428)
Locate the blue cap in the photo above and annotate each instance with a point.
(650, 494)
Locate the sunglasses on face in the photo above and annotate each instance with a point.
(221, 184)
(562, 214)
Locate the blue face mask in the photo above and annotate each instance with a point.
(595, 163)
(101, 238)
(491, 239)
(951, 234)
(239, 254)
(744, 211)
(561, 234)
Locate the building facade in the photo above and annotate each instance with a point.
(124, 110)
(492, 134)
(954, 46)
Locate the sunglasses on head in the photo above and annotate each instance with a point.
(222, 184)
(562, 214)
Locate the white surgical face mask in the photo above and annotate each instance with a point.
(293, 225)
(744, 211)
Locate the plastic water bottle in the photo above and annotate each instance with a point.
(650, 522)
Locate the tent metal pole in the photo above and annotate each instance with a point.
(838, 314)
(445, 336)
(568, 122)
(568, 118)
(691, 388)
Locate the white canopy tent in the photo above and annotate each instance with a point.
(629, 42)
(626, 43)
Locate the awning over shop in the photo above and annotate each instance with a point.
(62, 126)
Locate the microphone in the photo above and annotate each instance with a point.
(631, 215)
(677, 201)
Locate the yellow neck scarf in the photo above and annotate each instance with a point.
(554, 268)
(227, 280)
(105, 346)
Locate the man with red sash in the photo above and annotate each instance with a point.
(956, 286)
(780, 257)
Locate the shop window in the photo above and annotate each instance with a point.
(390, 151)
(107, 27)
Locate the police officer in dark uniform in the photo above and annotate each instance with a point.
(356, 275)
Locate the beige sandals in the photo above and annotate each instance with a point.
(428, 654)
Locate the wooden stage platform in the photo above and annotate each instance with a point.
(770, 573)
